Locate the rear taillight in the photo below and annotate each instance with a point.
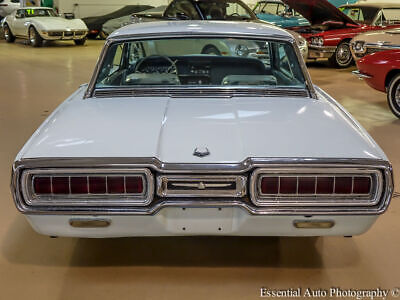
(88, 187)
(78, 185)
(316, 187)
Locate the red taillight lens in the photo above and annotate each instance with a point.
(362, 185)
(42, 185)
(60, 185)
(343, 185)
(306, 185)
(325, 185)
(79, 185)
(315, 185)
(270, 185)
(134, 184)
(116, 185)
(86, 185)
(288, 185)
(97, 185)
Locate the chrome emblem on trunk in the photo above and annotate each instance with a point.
(201, 152)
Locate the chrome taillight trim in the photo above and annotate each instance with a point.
(241, 168)
(74, 200)
(238, 191)
(300, 200)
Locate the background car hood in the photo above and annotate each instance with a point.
(319, 11)
(59, 23)
(387, 37)
(169, 129)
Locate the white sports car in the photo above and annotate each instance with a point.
(166, 140)
(38, 23)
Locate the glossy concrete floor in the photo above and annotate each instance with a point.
(34, 81)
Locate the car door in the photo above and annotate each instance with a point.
(18, 27)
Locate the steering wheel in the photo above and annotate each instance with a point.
(235, 14)
(171, 70)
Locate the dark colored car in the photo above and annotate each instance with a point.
(95, 24)
(331, 29)
(381, 71)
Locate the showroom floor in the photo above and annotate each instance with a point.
(34, 81)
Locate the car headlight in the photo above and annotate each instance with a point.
(317, 41)
(359, 46)
(241, 50)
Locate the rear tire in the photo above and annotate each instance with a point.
(80, 42)
(8, 36)
(342, 57)
(393, 95)
(34, 37)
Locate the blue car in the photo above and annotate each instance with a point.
(338, 3)
(279, 14)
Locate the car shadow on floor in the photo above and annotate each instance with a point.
(24, 246)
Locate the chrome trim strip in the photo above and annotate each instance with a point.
(200, 189)
(127, 38)
(227, 168)
(200, 92)
(360, 75)
(296, 200)
(74, 200)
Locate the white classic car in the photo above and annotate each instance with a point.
(168, 141)
(39, 23)
(8, 6)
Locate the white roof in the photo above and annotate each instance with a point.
(201, 27)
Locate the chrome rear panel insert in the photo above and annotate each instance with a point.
(201, 186)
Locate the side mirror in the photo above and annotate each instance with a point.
(19, 16)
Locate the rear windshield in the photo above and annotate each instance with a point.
(361, 15)
(225, 10)
(201, 62)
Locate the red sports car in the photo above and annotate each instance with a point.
(332, 29)
(381, 71)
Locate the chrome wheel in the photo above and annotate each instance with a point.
(397, 95)
(32, 36)
(6, 33)
(8, 36)
(343, 55)
(393, 95)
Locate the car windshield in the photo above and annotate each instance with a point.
(361, 15)
(29, 13)
(201, 62)
(224, 10)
